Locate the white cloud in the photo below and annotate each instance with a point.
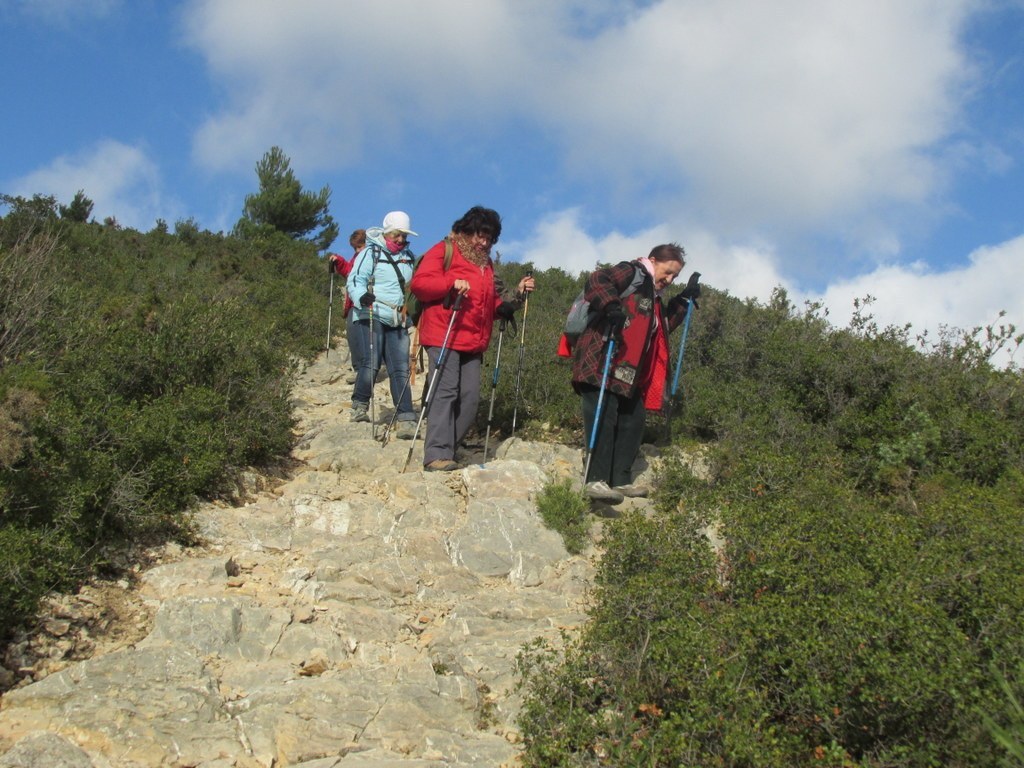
(965, 297)
(929, 300)
(786, 112)
(561, 240)
(741, 128)
(330, 79)
(790, 114)
(121, 180)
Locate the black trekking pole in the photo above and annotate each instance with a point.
(494, 385)
(610, 340)
(386, 434)
(442, 355)
(330, 306)
(373, 367)
(692, 290)
(519, 367)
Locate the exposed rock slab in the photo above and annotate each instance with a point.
(353, 616)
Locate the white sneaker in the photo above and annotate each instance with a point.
(633, 490)
(599, 491)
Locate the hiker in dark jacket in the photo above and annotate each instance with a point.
(640, 325)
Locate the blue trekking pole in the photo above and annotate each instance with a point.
(691, 292)
(600, 402)
(682, 346)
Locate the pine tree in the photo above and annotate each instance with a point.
(282, 205)
(79, 210)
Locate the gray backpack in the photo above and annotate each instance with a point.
(581, 316)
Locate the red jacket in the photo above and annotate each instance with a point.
(432, 284)
(343, 266)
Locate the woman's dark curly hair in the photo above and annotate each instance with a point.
(479, 220)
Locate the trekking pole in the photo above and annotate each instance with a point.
(519, 367)
(386, 434)
(432, 380)
(330, 306)
(600, 402)
(682, 347)
(373, 368)
(690, 304)
(494, 385)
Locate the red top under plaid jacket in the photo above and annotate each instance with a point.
(630, 373)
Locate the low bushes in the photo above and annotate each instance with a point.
(142, 379)
(866, 608)
(564, 509)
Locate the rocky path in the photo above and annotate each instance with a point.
(353, 616)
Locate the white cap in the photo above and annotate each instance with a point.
(398, 221)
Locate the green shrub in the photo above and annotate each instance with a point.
(871, 499)
(563, 508)
(142, 381)
(1008, 730)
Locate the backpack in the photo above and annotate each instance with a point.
(413, 306)
(581, 316)
(378, 254)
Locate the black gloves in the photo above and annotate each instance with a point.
(692, 290)
(614, 317)
(506, 310)
(367, 299)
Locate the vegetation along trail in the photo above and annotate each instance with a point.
(352, 615)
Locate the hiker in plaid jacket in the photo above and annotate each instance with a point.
(640, 324)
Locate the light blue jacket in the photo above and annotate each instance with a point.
(372, 263)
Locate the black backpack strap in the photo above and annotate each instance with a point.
(377, 253)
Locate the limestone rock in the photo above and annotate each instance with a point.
(352, 616)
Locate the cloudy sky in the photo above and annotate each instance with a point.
(838, 149)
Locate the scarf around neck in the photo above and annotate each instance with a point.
(477, 256)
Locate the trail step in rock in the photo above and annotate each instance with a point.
(354, 615)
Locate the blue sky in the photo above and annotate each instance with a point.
(837, 149)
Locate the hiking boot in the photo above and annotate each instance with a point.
(599, 491)
(350, 377)
(633, 491)
(406, 430)
(440, 465)
(359, 412)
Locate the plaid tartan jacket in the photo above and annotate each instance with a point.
(604, 287)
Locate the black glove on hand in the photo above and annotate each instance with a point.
(367, 299)
(506, 310)
(614, 317)
(692, 290)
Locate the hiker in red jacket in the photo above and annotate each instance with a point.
(343, 266)
(640, 325)
(470, 274)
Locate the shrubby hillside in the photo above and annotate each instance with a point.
(138, 372)
(867, 608)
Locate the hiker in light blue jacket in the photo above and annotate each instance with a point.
(378, 283)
